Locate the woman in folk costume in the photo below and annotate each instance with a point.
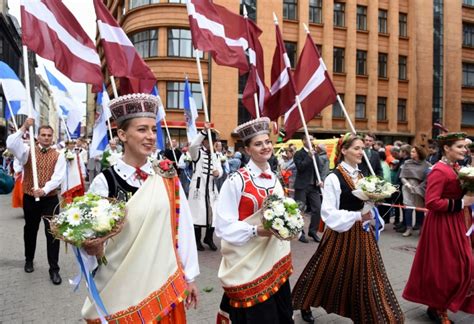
(152, 262)
(255, 265)
(346, 275)
(73, 181)
(203, 189)
(442, 275)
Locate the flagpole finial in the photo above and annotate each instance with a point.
(306, 29)
(245, 11)
(275, 18)
(185, 75)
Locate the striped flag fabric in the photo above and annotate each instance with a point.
(190, 112)
(99, 135)
(282, 91)
(314, 86)
(256, 75)
(122, 58)
(69, 109)
(219, 31)
(52, 31)
(14, 91)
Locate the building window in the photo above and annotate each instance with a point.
(468, 74)
(316, 11)
(336, 108)
(381, 108)
(361, 17)
(139, 3)
(360, 107)
(402, 67)
(290, 9)
(467, 114)
(177, 1)
(250, 5)
(180, 44)
(338, 65)
(382, 65)
(361, 66)
(291, 51)
(468, 34)
(339, 9)
(146, 42)
(468, 2)
(402, 110)
(402, 24)
(175, 95)
(382, 21)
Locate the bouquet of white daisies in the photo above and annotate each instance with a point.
(88, 218)
(466, 176)
(282, 216)
(373, 188)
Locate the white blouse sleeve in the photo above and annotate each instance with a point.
(20, 150)
(338, 220)
(228, 226)
(99, 186)
(186, 242)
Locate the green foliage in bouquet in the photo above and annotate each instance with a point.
(87, 217)
(466, 176)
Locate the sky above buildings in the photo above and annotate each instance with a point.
(84, 12)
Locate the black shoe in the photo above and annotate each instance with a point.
(199, 246)
(210, 243)
(303, 239)
(315, 237)
(307, 316)
(55, 277)
(416, 227)
(29, 267)
(401, 229)
(398, 225)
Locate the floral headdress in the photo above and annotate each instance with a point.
(448, 138)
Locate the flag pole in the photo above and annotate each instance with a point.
(30, 115)
(169, 139)
(204, 101)
(68, 135)
(13, 116)
(300, 110)
(255, 97)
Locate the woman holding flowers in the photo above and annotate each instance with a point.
(152, 262)
(255, 264)
(346, 275)
(442, 275)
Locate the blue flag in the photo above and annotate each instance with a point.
(14, 91)
(190, 112)
(160, 143)
(99, 136)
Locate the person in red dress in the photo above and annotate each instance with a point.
(442, 274)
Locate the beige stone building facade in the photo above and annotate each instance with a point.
(399, 65)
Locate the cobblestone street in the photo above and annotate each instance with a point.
(28, 298)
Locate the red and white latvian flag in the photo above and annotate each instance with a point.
(282, 91)
(219, 31)
(256, 76)
(52, 31)
(315, 88)
(123, 59)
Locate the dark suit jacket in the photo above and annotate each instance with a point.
(305, 174)
(169, 154)
(374, 162)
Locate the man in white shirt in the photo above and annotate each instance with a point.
(51, 167)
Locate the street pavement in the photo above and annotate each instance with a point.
(28, 298)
